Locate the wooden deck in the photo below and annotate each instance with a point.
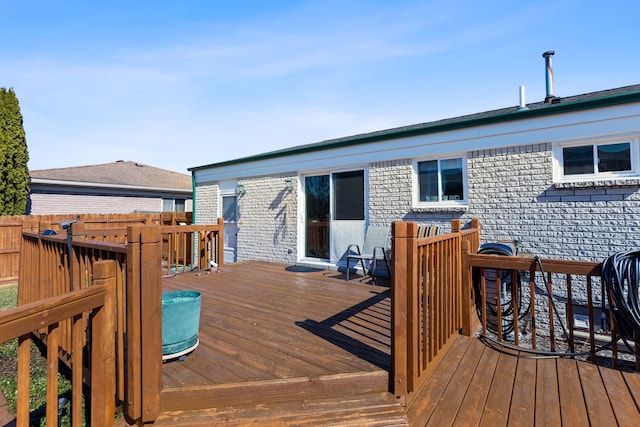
(281, 345)
(285, 340)
(477, 385)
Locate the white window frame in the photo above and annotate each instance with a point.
(173, 203)
(417, 203)
(558, 161)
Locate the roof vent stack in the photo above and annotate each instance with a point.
(523, 104)
(550, 98)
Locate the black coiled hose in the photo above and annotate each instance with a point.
(506, 306)
(621, 276)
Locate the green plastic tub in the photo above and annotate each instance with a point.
(180, 322)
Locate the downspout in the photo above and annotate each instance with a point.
(193, 197)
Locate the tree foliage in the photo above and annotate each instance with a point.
(14, 156)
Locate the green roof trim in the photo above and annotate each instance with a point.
(612, 97)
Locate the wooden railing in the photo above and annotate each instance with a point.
(95, 303)
(542, 295)
(187, 247)
(427, 301)
(49, 270)
(113, 228)
(52, 268)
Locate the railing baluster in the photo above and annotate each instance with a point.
(483, 289)
(532, 302)
(514, 306)
(52, 374)
(78, 324)
(499, 304)
(24, 375)
(552, 334)
(423, 307)
(572, 347)
(592, 338)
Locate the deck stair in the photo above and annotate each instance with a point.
(373, 409)
(358, 398)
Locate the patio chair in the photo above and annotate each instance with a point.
(374, 248)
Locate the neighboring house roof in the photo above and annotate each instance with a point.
(587, 101)
(120, 174)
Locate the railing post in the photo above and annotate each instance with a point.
(403, 279)
(468, 301)
(144, 305)
(220, 242)
(469, 318)
(103, 372)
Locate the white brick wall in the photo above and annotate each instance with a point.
(389, 191)
(511, 191)
(207, 197)
(267, 221)
(514, 196)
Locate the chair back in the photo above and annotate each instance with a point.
(375, 236)
(427, 231)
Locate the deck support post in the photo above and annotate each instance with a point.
(220, 242)
(144, 307)
(103, 367)
(404, 276)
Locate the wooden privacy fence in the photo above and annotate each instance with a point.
(10, 238)
(428, 299)
(51, 315)
(53, 265)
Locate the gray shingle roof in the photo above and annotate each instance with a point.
(118, 173)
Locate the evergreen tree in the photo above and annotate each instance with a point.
(14, 172)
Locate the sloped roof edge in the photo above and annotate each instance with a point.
(96, 185)
(119, 173)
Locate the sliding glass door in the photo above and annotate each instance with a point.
(334, 213)
(316, 196)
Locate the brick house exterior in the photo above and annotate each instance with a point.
(119, 187)
(522, 171)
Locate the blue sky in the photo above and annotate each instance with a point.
(176, 84)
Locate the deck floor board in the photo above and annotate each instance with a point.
(574, 411)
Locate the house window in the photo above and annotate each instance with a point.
(609, 159)
(441, 181)
(173, 205)
(229, 209)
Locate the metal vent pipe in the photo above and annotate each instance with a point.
(549, 75)
(523, 103)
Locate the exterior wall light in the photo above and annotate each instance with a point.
(241, 190)
(289, 183)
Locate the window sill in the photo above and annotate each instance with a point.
(595, 183)
(438, 208)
